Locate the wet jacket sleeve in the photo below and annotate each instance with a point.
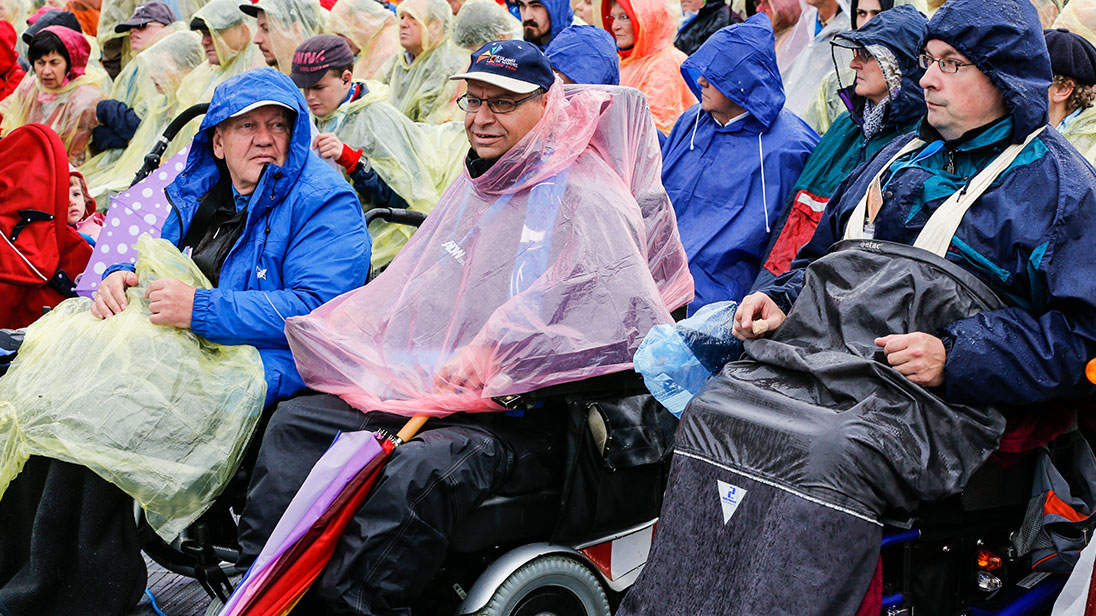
(117, 124)
(1018, 356)
(327, 256)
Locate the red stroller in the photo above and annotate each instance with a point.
(40, 254)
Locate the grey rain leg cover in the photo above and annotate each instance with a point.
(824, 438)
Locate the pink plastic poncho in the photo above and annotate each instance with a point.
(549, 268)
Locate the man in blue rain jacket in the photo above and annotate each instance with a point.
(1029, 236)
(730, 162)
(299, 236)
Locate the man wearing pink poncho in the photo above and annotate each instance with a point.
(546, 262)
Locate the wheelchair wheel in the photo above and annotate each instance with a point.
(553, 585)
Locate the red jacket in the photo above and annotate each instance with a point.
(10, 71)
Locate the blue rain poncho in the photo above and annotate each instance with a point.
(585, 54)
(730, 183)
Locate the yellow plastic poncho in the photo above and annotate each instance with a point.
(165, 63)
(289, 23)
(69, 110)
(418, 161)
(421, 89)
(653, 65)
(134, 88)
(112, 13)
(231, 31)
(372, 28)
(158, 411)
(1079, 17)
(826, 105)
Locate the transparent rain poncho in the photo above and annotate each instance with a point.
(158, 411)
(290, 22)
(653, 65)
(548, 268)
(372, 28)
(133, 87)
(421, 89)
(69, 110)
(166, 63)
(418, 161)
(232, 33)
(481, 21)
(112, 13)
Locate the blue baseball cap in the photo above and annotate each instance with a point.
(514, 66)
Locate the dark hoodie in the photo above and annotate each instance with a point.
(844, 146)
(560, 13)
(715, 14)
(1029, 236)
(725, 201)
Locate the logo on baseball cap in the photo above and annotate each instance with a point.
(316, 56)
(514, 66)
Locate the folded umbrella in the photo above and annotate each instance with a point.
(304, 539)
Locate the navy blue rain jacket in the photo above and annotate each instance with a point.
(1030, 236)
(585, 54)
(304, 242)
(713, 173)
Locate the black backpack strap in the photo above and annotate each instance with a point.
(203, 216)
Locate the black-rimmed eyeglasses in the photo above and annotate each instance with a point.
(472, 104)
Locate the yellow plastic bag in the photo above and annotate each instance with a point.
(158, 411)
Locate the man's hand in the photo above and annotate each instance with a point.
(462, 373)
(110, 297)
(756, 316)
(919, 356)
(171, 302)
(328, 145)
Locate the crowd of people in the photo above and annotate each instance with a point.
(708, 158)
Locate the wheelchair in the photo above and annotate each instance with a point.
(571, 549)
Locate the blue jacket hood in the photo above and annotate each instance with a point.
(585, 54)
(901, 30)
(740, 61)
(561, 14)
(1004, 40)
(202, 171)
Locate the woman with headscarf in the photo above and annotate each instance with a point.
(884, 101)
(165, 64)
(827, 105)
(644, 32)
(370, 30)
(60, 95)
(418, 77)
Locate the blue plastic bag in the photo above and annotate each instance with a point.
(676, 360)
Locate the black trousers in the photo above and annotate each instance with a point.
(397, 541)
(68, 544)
